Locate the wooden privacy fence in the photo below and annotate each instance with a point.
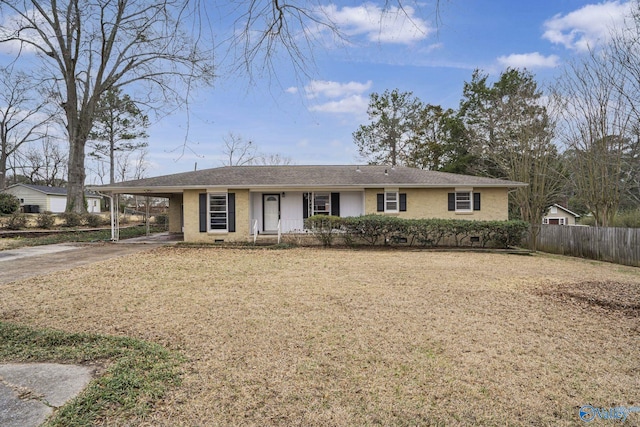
(618, 245)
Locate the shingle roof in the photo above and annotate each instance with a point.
(566, 210)
(55, 191)
(308, 177)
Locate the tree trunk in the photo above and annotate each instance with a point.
(75, 185)
(3, 170)
(112, 162)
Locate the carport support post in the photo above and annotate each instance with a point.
(114, 237)
(113, 220)
(147, 211)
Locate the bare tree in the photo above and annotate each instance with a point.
(88, 48)
(44, 162)
(597, 119)
(624, 50)
(238, 151)
(273, 160)
(22, 116)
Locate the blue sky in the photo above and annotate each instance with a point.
(311, 118)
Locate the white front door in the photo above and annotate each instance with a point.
(271, 211)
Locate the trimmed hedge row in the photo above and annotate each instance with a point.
(388, 230)
(47, 221)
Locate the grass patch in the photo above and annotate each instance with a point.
(137, 373)
(78, 236)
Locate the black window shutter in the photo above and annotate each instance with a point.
(203, 212)
(305, 205)
(403, 202)
(380, 202)
(452, 201)
(335, 204)
(231, 212)
(476, 201)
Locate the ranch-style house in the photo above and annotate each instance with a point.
(233, 203)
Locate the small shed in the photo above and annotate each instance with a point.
(41, 198)
(559, 215)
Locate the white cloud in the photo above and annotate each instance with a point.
(529, 60)
(338, 98)
(329, 89)
(588, 26)
(354, 104)
(383, 25)
(292, 90)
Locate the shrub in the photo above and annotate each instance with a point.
(17, 221)
(161, 220)
(432, 232)
(371, 228)
(8, 203)
(627, 219)
(509, 233)
(92, 220)
(45, 220)
(71, 219)
(324, 227)
(587, 220)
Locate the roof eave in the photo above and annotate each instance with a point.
(290, 187)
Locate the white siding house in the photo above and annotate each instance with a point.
(559, 215)
(48, 199)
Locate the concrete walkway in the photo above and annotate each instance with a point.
(29, 392)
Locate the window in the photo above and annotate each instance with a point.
(218, 212)
(463, 201)
(391, 201)
(321, 203)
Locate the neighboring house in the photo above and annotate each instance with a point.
(40, 198)
(232, 203)
(559, 215)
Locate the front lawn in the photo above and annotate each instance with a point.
(358, 337)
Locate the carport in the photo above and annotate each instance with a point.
(174, 197)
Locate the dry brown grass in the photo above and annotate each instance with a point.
(344, 337)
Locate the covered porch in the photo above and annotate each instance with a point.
(275, 212)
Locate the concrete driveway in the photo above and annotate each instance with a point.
(23, 263)
(30, 392)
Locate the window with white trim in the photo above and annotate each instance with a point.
(463, 201)
(321, 203)
(218, 212)
(391, 201)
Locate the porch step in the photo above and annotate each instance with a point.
(267, 239)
